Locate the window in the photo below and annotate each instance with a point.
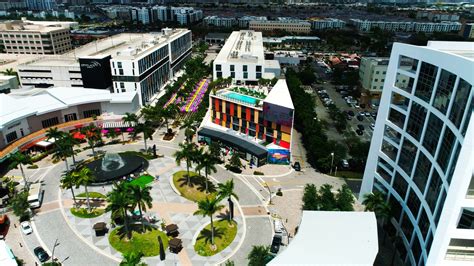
(246, 75)
(245, 68)
(407, 153)
(122, 85)
(447, 145)
(422, 172)
(444, 90)
(119, 64)
(416, 249)
(407, 227)
(389, 150)
(376, 72)
(12, 136)
(90, 113)
(402, 83)
(440, 207)
(219, 74)
(432, 133)
(416, 120)
(218, 67)
(433, 190)
(454, 160)
(426, 80)
(50, 122)
(120, 71)
(400, 185)
(232, 68)
(460, 102)
(258, 68)
(396, 118)
(424, 223)
(413, 203)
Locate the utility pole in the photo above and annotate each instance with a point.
(332, 162)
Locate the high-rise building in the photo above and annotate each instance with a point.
(422, 153)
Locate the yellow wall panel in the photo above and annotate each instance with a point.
(255, 118)
(239, 111)
(223, 107)
(218, 115)
(285, 137)
(223, 123)
(275, 133)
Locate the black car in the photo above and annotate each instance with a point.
(41, 254)
(349, 117)
(361, 127)
(360, 118)
(276, 242)
(373, 114)
(359, 132)
(297, 166)
(350, 112)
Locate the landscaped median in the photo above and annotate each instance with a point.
(196, 190)
(224, 234)
(145, 242)
(84, 213)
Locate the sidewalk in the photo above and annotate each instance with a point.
(15, 241)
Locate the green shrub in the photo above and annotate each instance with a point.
(33, 166)
(84, 213)
(279, 192)
(258, 173)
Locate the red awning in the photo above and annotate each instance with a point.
(78, 135)
(78, 126)
(31, 144)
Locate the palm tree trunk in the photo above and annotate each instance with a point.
(67, 165)
(212, 231)
(73, 195)
(88, 200)
(93, 151)
(125, 222)
(23, 175)
(73, 156)
(207, 187)
(187, 169)
(123, 138)
(144, 138)
(230, 209)
(141, 216)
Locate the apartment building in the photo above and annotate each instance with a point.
(255, 121)
(296, 26)
(406, 26)
(226, 22)
(467, 30)
(181, 15)
(245, 20)
(372, 72)
(421, 156)
(327, 23)
(242, 58)
(36, 37)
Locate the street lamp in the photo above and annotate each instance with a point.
(54, 247)
(269, 192)
(332, 162)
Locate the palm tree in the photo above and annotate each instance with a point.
(69, 142)
(187, 153)
(63, 150)
(147, 130)
(131, 119)
(132, 259)
(119, 202)
(93, 136)
(141, 197)
(259, 255)
(19, 159)
(208, 207)
(84, 177)
(169, 113)
(152, 114)
(207, 162)
(373, 200)
(54, 133)
(226, 190)
(68, 181)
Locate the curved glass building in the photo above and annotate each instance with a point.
(422, 152)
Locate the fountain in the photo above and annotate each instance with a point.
(113, 166)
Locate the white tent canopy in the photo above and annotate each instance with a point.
(332, 238)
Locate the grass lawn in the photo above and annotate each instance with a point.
(92, 195)
(83, 213)
(224, 234)
(350, 174)
(145, 242)
(143, 180)
(141, 154)
(197, 189)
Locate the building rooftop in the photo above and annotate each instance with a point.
(38, 26)
(280, 95)
(53, 60)
(23, 103)
(242, 46)
(463, 49)
(335, 238)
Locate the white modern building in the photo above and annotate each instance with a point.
(147, 66)
(26, 111)
(216, 21)
(51, 71)
(406, 26)
(422, 153)
(242, 58)
(332, 238)
(8, 83)
(327, 23)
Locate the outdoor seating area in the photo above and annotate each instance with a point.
(175, 245)
(172, 230)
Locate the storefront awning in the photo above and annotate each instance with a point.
(117, 124)
(235, 141)
(43, 144)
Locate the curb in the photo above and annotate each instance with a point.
(173, 187)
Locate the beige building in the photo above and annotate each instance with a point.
(296, 26)
(372, 73)
(36, 37)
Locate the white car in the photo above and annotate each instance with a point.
(26, 228)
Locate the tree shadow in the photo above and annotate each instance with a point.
(224, 216)
(206, 235)
(139, 228)
(198, 182)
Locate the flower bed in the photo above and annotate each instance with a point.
(195, 99)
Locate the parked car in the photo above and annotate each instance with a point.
(276, 242)
(349, 117)
(367, 114)
(345, 163)
(361, 127)
(297, 166)
(359, 132)
(26, 228)
(41, 254)
(362, 105)
(373, 114)
(372, 126)
(360, 118)
(278, 226)
(350, 112)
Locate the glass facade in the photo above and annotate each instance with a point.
(426, 80)
(444, 90)
(432, 133)
(416, 120)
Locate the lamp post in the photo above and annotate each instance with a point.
(54, 247)
(269, 192)
(332, 162)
